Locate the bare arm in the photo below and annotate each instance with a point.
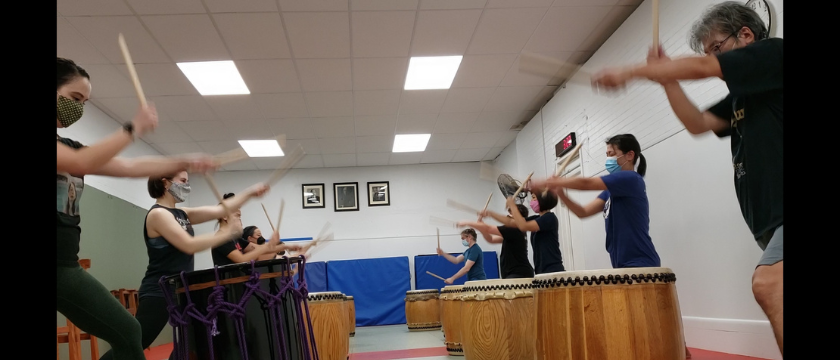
(452, 259)
(577, 183)
(505, 220)
(695, 121)
(90, 158)
(145, 166)
(594, 207)
(203, 214)
(686, 68)
(464, 270)
(162, 222)
(520, 222)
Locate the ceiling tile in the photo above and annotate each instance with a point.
(360, 5)
(565, 28)
(416, 123)
(483, 70)
(310, 161)
(493, 154)
(465, 155)
(506, 139)
(318, 35)
(518, 3)
(92, 8)
(218, 147)
(102, 32)
(422, 101)
(242, 165)
(445, 141)
(227, 6)
(234, 107)
(465, 100)
(585, 2)
(374, 144)
(344, 145)
(269, 76)
(187, 37)
(329, 104)
(405, 158)
(512, 98)
(455, 122)
(165, 7)
(334, 127)
(107, 81)
(480, 140)
(505, 30)
(339, 160)
(515, 77)
(545, 94)
(437, 156)
(314, 5)
(183, 108)
(382, 33)
(167, 132)
(373, 159)
(245, 35)
(379, 73)
(180, 148)
(269, 163)
(375, 125)
(161, 80)
(249, 130)
(443, 32)
(376, 102)
(280, 106)
(295, 129)
(310, 146)
(501, 121)
(325, 74)
(213, 130)
(606, 27)
(124, 108)
(71, 45)
(452, 4)
(620, 2)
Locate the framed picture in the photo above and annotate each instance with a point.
(313, 196)
(379, 193)
(346, 196)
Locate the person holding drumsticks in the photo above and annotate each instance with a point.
(80, 297)
(232, 252)
(474, 265)
(739, 51)
(171, 243)
(514, 256)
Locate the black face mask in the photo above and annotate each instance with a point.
(260, 240)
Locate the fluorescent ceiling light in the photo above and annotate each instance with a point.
(434, 72)
(261, 148)
(411, 143)
(215, 77)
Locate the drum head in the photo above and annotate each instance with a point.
(605, 273)
(325, 296)
(497, 284)
(423, 291)
(606, 276)
(229, 271)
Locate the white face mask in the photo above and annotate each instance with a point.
(179, 191)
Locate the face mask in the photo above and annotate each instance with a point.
(69, 111)
(535, 205)
(465, 242)
(179, 191)
(260, 240)
(612, 164)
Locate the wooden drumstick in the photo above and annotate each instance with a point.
(267, 217)
(430, 273)
(485, 205)
(291, 161)
(215, 189)
(546, 66)
(280, 217)
(523, 184)
(441, 221)
(132, 71)
(457, 205)
(438, 237)
(656, 26)
(566, 162)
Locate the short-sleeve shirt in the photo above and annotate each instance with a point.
(546, 244)
(476, 272)
(69, 189)
(221, 252)
(514, 256)
(627, 221)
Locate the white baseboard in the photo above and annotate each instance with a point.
(732, 336)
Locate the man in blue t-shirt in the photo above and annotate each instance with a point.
(474, 266)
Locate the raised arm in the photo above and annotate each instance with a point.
(147, 166)
(452, 259)
(203, 214)
(490, 233)
(163, 222)
(520, 222)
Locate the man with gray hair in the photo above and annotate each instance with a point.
(739, 51)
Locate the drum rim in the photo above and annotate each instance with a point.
(325, 296)
(598, 277)
(497, 282)
(225, 268)
(423, 291)
(605, 272)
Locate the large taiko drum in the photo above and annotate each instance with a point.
(613, 314)
(329, 325)
(497, 319)
(351, 314)
(422, 311)
(450, 318)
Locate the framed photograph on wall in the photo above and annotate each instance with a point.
(313, 196)
(346, 196)
(379, 193)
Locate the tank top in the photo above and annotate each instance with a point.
(164, 258)
(68, 194)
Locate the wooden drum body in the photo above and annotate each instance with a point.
(329, 325)
(351, 314)
(498, 319)
(450, 317)
(422, 311)
(614, 314)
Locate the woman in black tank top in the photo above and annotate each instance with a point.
(171, 243)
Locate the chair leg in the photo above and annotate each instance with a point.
(94, 348)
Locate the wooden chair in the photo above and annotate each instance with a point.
(73, 336)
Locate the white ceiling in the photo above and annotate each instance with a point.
(329, 73)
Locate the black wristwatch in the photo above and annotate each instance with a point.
(129, 127)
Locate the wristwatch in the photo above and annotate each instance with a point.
(129, 127)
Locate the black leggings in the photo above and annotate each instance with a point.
(153, 317)
(89, 305)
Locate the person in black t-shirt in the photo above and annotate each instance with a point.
(740, 52)
(80, 297)
(514, 257)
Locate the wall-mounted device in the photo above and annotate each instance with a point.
(567, 144)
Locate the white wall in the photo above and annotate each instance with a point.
(696, 224)
(402, 229)
(94, 126)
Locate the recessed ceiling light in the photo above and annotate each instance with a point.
(261, 148)
(411, 143)
(215, 77)
(433, 72)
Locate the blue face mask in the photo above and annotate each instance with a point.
(612, 165)
(465, 243)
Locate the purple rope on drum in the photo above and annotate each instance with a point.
(218, 304)
(180, 321)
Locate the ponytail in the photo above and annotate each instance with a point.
(642, 166)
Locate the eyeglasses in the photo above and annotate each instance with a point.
(716, 47)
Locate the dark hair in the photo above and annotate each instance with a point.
(547, 200)
(67, 71)
(627, 143)
(470, 232)
(522, 210)
(156, 187)
(248, 231)
(227, 196)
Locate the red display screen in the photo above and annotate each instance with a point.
(565, 145)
